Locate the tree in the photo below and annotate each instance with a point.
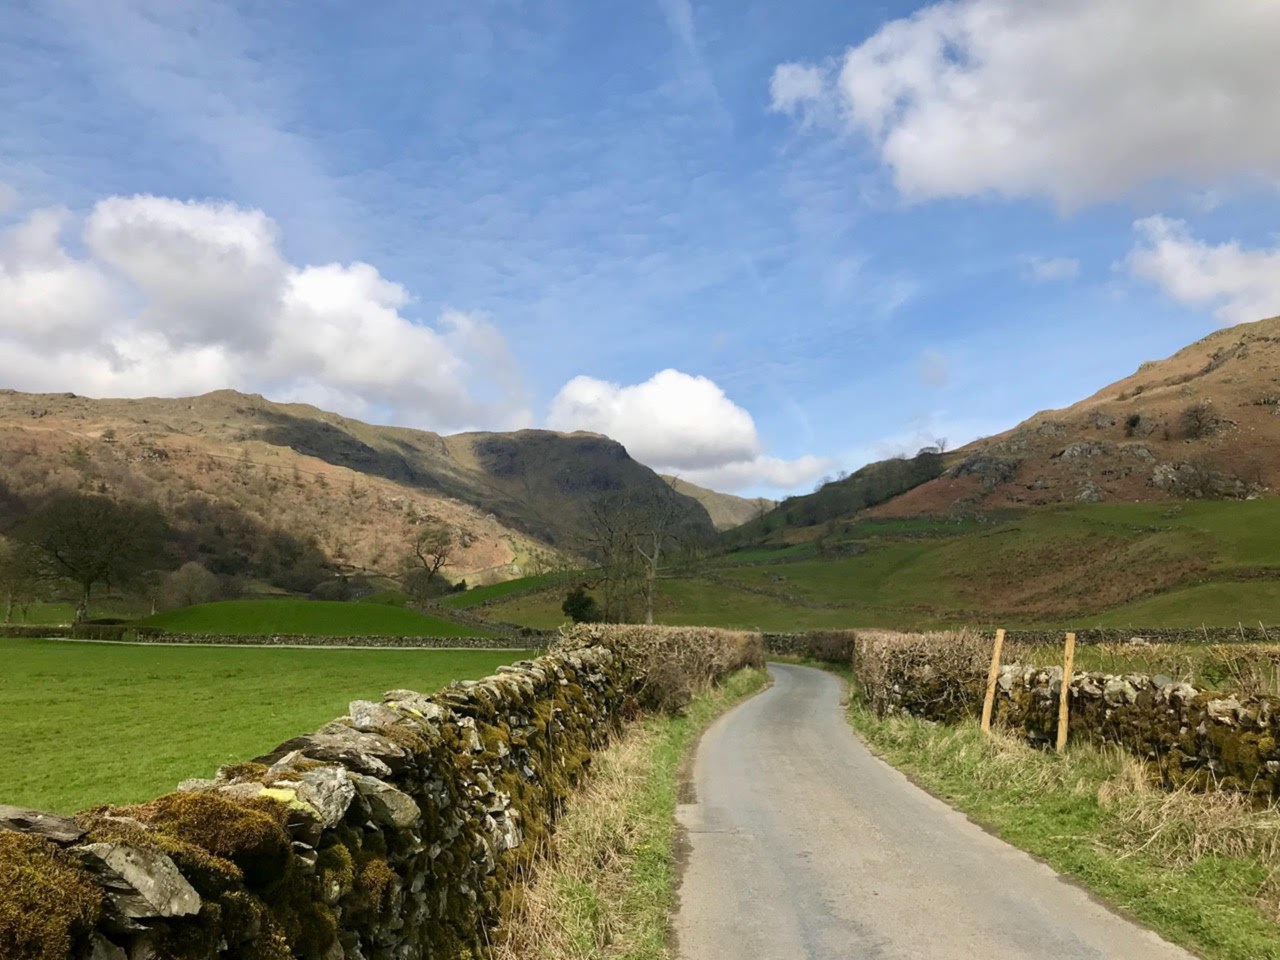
(433, 545)
(190, 584)
(92, 540)
(21, 583)
(579, 606)
(630, 533)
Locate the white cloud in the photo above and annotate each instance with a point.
(184, 297)
(1073, 101)
(1050, 268)
(678, 423)
(1242, 285)
(796, 88)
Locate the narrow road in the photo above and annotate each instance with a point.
(804, 845)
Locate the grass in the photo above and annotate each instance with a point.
(1144, 565)
(609, 891)
(107, 723)
(1200, 869)
(319, 618)
(690, 602)
(496, 591)
(1213, 604)
(58, 612)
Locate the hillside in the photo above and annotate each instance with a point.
(1201, 424)
(726, 510)
(259, 484)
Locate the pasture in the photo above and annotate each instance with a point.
(1112, 564)
(89, 723)
(317, 618)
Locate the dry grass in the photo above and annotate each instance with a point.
(608, 887)
(1182, 828)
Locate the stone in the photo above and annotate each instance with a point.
(387, 804)
(1161, 681)
(1225, 710)
(415, 703)
(326, 790)
(370, 717)
(47, 825)
(100, 948)
(337, 743)
(140, 883)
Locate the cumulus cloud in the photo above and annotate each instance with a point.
(1241, 285)
(1050, 268)
(183, 297)
(678, 423)
(1073, 101)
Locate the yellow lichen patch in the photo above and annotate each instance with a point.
(46, 899)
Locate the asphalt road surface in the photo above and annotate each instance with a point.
(804, 845)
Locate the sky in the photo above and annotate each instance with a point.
(758, 243)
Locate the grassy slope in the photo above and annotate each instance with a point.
(96, 723)
(495, 591)
(1071, 566)
(322, 618)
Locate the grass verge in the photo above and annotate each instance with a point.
(1203, 870)
(610, 888)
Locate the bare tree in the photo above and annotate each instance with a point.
(92, 540)
(630, 534)
(21, 583)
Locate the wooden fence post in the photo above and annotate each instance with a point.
(1064, 701)
(992, 675)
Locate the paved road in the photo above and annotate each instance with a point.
(804, 845)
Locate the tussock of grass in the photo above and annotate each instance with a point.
(610, 887)
(1202, 869)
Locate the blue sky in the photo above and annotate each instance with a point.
(850, 228)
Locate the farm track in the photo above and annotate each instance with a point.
(804, 845)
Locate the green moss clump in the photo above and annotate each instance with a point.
(376, 881)
(46, 899)
(249, 770)
(249, 833)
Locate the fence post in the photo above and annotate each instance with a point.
(993, 674)
(1064, 701)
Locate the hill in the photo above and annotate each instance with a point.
(1201, 424)
(726, 510)
(260, 488)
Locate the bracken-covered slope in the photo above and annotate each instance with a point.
(727, 511)
(1204, 423)
(237, 471)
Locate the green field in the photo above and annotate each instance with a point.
(319, 618)
(496, 591)
(1115, 564)
(89, 723)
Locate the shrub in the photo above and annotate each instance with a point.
(938, 676)
(580, 606)
(669, 664)
(1197, 420)
(832, 646)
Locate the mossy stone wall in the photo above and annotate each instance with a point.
(398, 832)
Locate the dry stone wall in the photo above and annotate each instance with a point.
(1196, 736)
(397, 832)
